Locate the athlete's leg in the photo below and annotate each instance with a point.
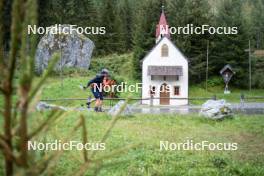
(97, 104)
(89, 101)
(101, 102)
(100, 105)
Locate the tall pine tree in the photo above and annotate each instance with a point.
(146, 19)
(193, 46)
(258, 23)
(126, 20)
(230, 49)
(177, 17)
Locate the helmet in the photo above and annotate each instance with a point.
(104, 71)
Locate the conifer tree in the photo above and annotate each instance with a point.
(120, 33)
(6, 23)
(257, 40)
(146, 19)
(125, 13)
(230, 49)
(258, 24)
(194, 46)
(80, 13)
(109, 42)
(177, 17)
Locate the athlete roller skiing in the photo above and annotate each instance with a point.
(96, 85)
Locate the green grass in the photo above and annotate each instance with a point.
(118, 64)
(218, 91)
(120, 67)
(149, 130)
(68, 87)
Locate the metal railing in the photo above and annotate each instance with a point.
(242, 98)
(74, 99)
(112, 100)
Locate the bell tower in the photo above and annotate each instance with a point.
(162, 29)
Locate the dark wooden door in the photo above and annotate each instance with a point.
(164, 94)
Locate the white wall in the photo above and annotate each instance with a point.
(175, 58)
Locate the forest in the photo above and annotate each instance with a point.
(130, 28)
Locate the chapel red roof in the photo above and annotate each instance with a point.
(162, 24)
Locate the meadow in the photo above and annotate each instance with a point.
(133, 145)
(147, 131)
(66, 84)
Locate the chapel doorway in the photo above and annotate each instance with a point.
(164, 94)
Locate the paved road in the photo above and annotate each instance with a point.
(245, 108)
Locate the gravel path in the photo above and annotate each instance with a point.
(245, 108)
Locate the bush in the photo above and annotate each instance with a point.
(116, 64)
(258, 73)
(215, 81)
(219, 162)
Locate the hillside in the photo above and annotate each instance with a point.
(118, 64)
(67, 86)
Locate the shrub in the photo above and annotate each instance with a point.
(215, 81)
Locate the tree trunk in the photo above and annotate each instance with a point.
(7, 129)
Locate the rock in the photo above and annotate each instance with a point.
(115, 109)
(76, 50)
(216, 109)
(41, 106)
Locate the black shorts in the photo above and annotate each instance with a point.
(97, 94)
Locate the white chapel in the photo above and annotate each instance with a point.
(164, 70)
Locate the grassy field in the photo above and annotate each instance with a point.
(67, 84)
(68, 87)
(218, 91)
(148, 131)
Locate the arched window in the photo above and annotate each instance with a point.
(164, 50)
(152, 90)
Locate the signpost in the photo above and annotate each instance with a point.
(207, 54)
(227, 73)
(249, 64)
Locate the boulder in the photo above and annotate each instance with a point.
(41, 106)
(76, 49)
(216, 109)
(115, 109)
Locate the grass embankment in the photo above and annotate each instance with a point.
(55, 88)
(149, 130)
(67, 85)
(218, 91)
(120, 67)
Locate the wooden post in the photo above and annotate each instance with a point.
(242, 98)
(151, 100)
(214, 97)
(207, 55)
(249, 64)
